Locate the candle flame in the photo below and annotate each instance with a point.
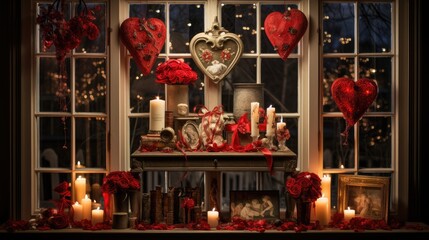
(95, 201)
(86, 196)
(281, 118)
(157, 97)
(271, 106)
(98, 208)
(342, 166)
(213, 209)
(76, 203)
(78, 163)
(79, 177)
(348, 208)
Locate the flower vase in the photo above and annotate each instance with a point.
(135, 203)
(303, 212)
(121, 200)
(178, 94)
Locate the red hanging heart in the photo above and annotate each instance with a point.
(353, 98)
(144, 39)
(284, 30)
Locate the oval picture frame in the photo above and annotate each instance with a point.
(191, 135)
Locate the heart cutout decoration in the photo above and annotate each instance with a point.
(353, 98)
(144, 39)
(216, 51)
(285, 30)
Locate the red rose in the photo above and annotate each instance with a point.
(295, 190)
(59, 221)
(62, 188)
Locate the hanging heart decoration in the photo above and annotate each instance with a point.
(216, 51)
(144, 39)
(353, 99)
(285, 30)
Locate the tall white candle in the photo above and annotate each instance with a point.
(80, 188)
(348, 214)
(97, 216)
(326, 191)
(271, 116)
(86, 207)
(77, 211)
(254, 119)
(156, 114)
(213, 218)
(322, 213)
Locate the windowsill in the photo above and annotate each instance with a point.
(180, 233)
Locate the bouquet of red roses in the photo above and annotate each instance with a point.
(306, 186)
(175, 71)
(120, 181)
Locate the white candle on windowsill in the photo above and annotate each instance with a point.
(77, 211)
(156, 115)
(348, 214)
(80, 188)
(254, 119)
(271, 116)
(326, 191)
(322, 212)
(97, 216)
(213, 218)
(86, 207)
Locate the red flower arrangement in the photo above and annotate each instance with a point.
(175, 71)
(306, 186)
(120, 181)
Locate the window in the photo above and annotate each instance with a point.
(108, 97)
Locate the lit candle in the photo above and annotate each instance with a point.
(326, 191)
(95, 205)
(156, 114)
(78, 165)
(271, 116)
(213, 218)
(86, 207)
(322, 212)
(349, 214)
(80, 188)
(97, 216)
(254, 119)
(77, 211)
(281, 125)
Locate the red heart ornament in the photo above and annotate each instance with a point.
(144, 39)
(284, 30)
(353, 98)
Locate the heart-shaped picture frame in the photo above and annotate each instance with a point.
(216, 51)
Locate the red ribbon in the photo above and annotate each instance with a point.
(243, 127)
(217, 111)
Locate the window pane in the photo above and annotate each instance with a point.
(186, 20)
(54, 134)
(98, 45)
(152, 179)
(280, 80)
(375, 27)
(94, 181)
(143, 88)
(334, 68)
(266, 46)
(338, 27)
(243, 72)
(375, 142)
(335, 153)
(50, 87)
(138, 127)
(91, 142)
(47, 182)
(91, 85)
(379, 69)
(275, 182)
(148, 11)
(240, 19)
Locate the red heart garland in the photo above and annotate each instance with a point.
(353, 98)
(284, 30)
(144, 39)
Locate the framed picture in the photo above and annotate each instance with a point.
(367, 195)
(255, 204)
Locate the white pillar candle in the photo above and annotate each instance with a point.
(156, 114)
(80, 188)
(97, 216)
(326, 191)
(86, 207)
(213, 218)
(281, 126)
(322, 212)
(254, 119)
(77, 211)
(349, 214)
(271, 116)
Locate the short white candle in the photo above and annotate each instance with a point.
(80, 188)
(326, 190)
(349, 214)
(271, 116)
(156, 114)
(254, 119)
(213, 218)
(281, 126)
(77, 211)
(322, 213)
(97, 216)
(86, 208)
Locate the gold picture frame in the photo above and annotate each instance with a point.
(367, 195)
